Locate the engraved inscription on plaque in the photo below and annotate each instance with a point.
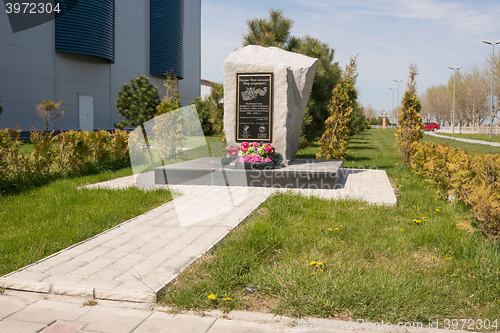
(254, 107)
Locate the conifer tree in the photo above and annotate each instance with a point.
(137, 101)
(337, 132)
(411, 128)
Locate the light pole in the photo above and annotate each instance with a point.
(397, 117)
(454, 84)
(492, 77)
(392, 89)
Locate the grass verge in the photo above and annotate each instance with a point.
(43, 220)
(350, 260)
(482, 137)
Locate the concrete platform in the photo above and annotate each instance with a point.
(208, 171)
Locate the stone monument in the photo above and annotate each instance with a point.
(266, 90)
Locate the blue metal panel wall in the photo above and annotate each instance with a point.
(88, 28)
(167, 37)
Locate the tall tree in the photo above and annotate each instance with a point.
(337, 132)
(411, 128)
(326, 78)
(274, 31)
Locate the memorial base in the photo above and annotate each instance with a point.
(300, 173)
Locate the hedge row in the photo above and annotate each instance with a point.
(473, 179)
(71, 153)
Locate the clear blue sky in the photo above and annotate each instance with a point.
(388, 35)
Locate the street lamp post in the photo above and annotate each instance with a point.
(492, 78)
(397, 117)
(454, 84)
(392, 100)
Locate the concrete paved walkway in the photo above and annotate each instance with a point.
(137, 259)
(496, 144)
(23, 312)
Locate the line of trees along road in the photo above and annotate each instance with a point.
(473, 85)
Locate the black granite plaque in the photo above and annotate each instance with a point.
(254, 107)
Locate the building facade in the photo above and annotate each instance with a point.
(85, 56)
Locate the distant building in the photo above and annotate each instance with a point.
(85, 56)
(206, 88)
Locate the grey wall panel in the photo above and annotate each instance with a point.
(189, 87)
(28, 57)
(83, 69)
(26, 62)
(19, 95)
(102, 118)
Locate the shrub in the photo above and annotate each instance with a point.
(47, 111)
(475, 180)
(137, 101)
(79, 153)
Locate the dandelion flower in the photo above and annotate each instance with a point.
(312, 273)
(321, 270)
(312, 263)
(447, 258)
(336, 229)
(437, 210)
(400, 185)
(397, 179)
(320, 263)
(212, 296)
(402, 229)
(227, 299)
(330, 229)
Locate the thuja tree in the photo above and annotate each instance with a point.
(169, 123)
(137, 102)
(337, 132)
(411, 128)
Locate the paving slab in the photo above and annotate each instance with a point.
(10, 305)
(46, 312)
(175, 323)
(112, 320)
(8, 326)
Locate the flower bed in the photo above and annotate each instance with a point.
(252, 156)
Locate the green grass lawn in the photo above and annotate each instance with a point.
(483, 137)
(377, 263)
(43, 220)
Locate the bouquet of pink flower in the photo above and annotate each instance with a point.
(252, 156)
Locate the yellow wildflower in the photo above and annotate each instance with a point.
(437, 210)
(330, 229)
(212, 296)
(312, 263)
(447, 258)
(402, 229)
(227, 299)
(312, 273)
(336, 229)
(320, 263)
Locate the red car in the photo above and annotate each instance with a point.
(431, 126)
